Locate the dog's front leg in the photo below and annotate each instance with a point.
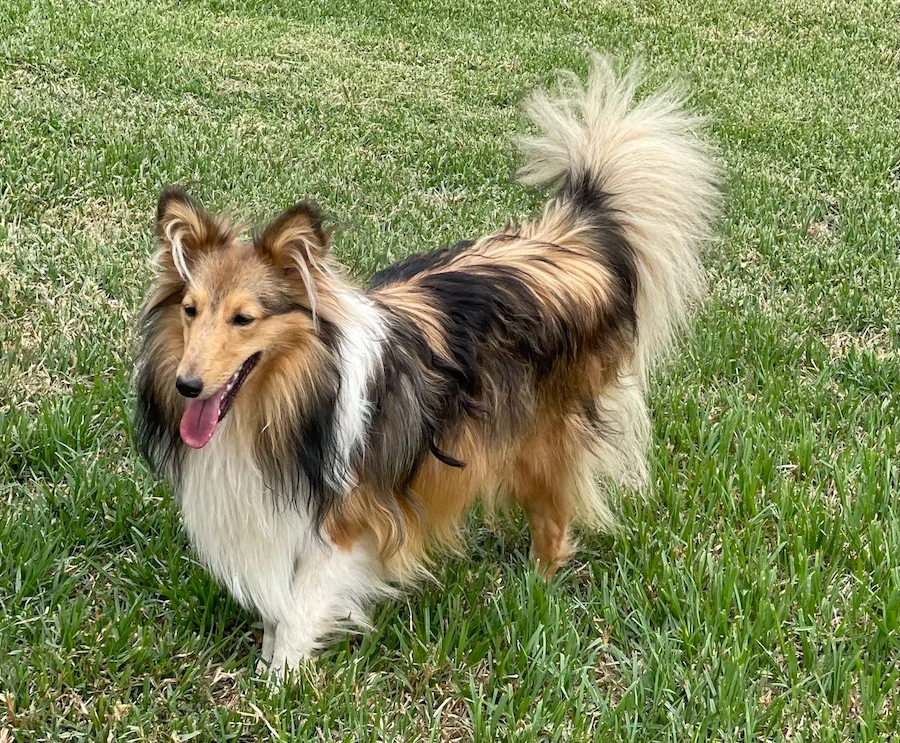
(331, 587)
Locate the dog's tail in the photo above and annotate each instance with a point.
(642, 169)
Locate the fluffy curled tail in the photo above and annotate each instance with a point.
(658, 177)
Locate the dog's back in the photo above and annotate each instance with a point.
(535, 342)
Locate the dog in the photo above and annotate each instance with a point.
(323, 439)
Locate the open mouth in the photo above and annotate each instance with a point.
(201, 417)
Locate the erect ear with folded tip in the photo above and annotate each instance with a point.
(296, 230)
(297, 242)
(185, 230)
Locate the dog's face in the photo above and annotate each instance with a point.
(233, 307)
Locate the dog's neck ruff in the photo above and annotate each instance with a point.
(246, 537)
(246, 540)
(359, 359)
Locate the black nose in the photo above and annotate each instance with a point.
(189, 386)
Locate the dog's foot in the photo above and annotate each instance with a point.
(282, 668)
(547, 570)
(548, 562)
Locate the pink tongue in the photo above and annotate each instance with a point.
(198, 424)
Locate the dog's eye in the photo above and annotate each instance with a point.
(241, 320)
(190, 311)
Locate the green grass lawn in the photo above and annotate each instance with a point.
(755, 594)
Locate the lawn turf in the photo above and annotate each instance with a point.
(755, 594)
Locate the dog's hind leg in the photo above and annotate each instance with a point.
(540, 482)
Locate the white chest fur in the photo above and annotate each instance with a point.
(246, 540)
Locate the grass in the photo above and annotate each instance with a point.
(754, 595)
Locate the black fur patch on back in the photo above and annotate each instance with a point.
(413, 265)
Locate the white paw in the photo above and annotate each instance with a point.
(282, 668)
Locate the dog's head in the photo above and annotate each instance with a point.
(232, 310)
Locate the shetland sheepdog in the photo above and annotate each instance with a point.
(323, 439)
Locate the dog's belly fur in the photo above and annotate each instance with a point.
(249, 543)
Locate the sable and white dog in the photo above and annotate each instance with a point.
(322, 437)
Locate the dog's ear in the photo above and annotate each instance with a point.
(298, 244)
(185, 230)
(295, 233)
